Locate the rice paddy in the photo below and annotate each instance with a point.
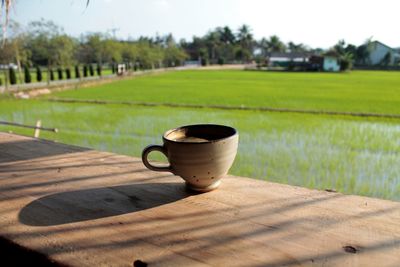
(353, 155)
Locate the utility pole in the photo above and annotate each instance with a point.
(114, 31)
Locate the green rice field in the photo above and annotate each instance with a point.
(358, 91)
(353, 155)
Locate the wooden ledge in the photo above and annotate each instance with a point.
(81, 207)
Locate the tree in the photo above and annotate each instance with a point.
(297, 48)
(52, 78)
(62, 47)
(38, 74)
(91, 70)
(85, 71)
(275, 44)
(227, 36)
(339, 47)
(242, 54)
(99, 48)
(363, 52)
(386, 60)
(111, 51)
(38, 42)
(352, 49)
(13, 49)
(13, 77)
(98, 69)
(246, 42)
(27, 74)
(77, 72)
(68, 73)
(148, 55)
(129, 52)
(60, 73)
(173, 55)
(346, 61)
(263, 46)
(6, 5)
(213, 42)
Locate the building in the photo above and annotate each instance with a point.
(331, 61)
(282, 59)
(381, 54)
(304, 61)
(331, 64)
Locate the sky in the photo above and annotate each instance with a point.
(316, 23)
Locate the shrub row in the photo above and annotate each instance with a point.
(87, 70)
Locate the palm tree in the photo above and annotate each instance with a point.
(5, 5)
(263, 46)
(297, 47)
(213, 42)
(244, 35)
(340, 47)
(245, 39)
(226, 34)
(275, 44)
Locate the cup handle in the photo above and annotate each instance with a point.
(146, 163)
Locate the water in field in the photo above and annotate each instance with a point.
(350, 155)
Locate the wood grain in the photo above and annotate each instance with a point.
(81, 207)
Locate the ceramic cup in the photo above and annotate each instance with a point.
(201, 154)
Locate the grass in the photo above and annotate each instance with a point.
(357, 91)
(350, 154)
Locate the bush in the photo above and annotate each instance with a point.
(51, 75)
(98, 69)
(345, 64)
(60, 73)
(13, 76)
(204, 62)
(39, 77)
(91, 70)
(1, 82)
(77, 72)
(291, 66)
(112, 68)
(27, 75)
(221, 61)
(85, 71)
(68, 73)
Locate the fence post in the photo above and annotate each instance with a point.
(37, 129)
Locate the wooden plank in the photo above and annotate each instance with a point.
(81, 207)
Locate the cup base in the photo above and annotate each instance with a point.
(204, 189)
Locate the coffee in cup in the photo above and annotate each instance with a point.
(201, 154)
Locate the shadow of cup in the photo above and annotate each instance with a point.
(96, 203)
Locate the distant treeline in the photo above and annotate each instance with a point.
(43, 43)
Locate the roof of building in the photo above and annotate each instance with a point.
(378, 42)
(331, 53)
(289, 54)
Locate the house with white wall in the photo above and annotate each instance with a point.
(331, 63)
(378, 51)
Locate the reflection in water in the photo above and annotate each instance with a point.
(348, 154)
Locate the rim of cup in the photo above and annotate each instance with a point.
(233, 133)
